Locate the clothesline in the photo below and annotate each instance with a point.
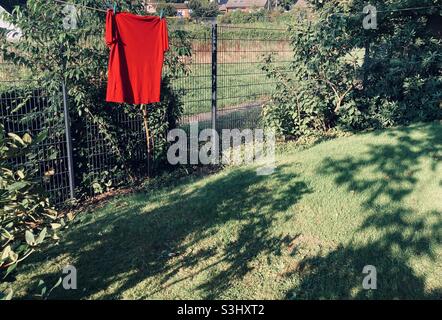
(97, 9)
(336, 13)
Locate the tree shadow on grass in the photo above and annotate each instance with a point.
(400, 233)
(165, 237)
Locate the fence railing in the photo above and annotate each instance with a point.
(224, 89)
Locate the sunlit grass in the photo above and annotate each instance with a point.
(306, 231)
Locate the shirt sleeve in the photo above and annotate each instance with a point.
(110, 29)
(165, 36)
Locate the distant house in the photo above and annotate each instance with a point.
(12, 33)
(244, 5)
(222, 5)
(182, 9)
(150, 6)
(251, 5)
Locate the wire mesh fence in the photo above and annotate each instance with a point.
(120, 161)
(25, 107)
(242, 87)
(195, 85)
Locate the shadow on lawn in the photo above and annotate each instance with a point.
(140, 243)
(401, 232)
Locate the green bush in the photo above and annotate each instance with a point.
(27, 219)
(168, 10)
(343, 75)
(238, 17)
(203, 9)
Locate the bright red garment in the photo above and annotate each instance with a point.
(137, 44)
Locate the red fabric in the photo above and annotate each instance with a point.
(137, 46)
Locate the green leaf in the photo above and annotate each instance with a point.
(56, 284)
(6, 234)
(13, 256)
(21, 174)
(41, 136)
(41, 236)
(43, 291)
(5, 253)
(16, 138)
(29, 236)
(10, 269)
(17, 186)
(27, 138)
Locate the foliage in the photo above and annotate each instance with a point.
(286, 4)
(44, 291)
(79, 57)
(311, 95)
(405, 57)
(168, 10)
(264, 17)
(340, 71)
(203, 9)
(27, 219)
(237, 17)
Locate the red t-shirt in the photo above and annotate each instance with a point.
(137, 46)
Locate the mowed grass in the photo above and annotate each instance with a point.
(307, 231)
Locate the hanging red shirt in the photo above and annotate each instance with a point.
(137, 46)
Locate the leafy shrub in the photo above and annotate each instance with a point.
(237, 17)
(27, 219)
(168, 9)
(343, 75)
(203, 8)
(293, 110)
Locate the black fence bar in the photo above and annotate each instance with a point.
(67, 124)
(214, 73)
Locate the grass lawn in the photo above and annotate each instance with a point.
(306, 231)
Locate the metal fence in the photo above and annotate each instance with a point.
(25, 107)
(225, 88)
(104, 166)
(226, 83)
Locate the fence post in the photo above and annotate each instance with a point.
(214, 73)
(68, 141)
(366, 62)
